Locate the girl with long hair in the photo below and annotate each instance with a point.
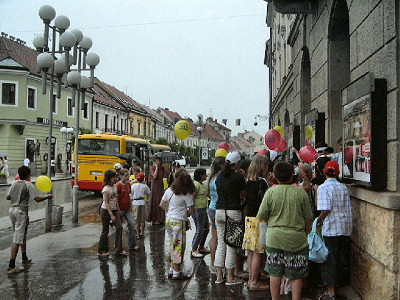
(256, 187)
(157, 173)
(178, 201)
(216, 167)
(110, 212)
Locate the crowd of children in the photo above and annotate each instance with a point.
(275, 199)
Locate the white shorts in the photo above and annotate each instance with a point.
(19, 222)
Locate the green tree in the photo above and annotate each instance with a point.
(162, 141)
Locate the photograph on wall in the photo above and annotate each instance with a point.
(357, 138)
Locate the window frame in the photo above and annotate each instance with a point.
(16, 93)
(55, 112)
(86, 108)
(35, 97)
(72, 108)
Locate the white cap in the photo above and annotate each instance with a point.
(272, 155)
(233, 157)
(117, 166)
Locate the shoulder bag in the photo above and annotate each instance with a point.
(234, 231)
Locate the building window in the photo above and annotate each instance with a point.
(138, 128)
(86, 111)
(70, 110)
(105, 123)
(144, 127)
(114, 123)
(9, 93)
(54, 104)
(131, 126)
(31, 98)
(122, 124)
(97, 119)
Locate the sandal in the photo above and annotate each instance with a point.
(258, 287)
(219, 282)
(235, 282)
(181, 276)
(122, 253)
(134, 248)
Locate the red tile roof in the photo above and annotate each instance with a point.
(102, 96)
(172, 115)
(22, 54)
(210, 132)
(125, 99)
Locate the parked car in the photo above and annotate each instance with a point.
(181, 161)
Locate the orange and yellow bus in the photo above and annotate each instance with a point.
(98, 153)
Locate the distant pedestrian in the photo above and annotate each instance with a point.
(20, 193)
(1, 164)
(171, 177)
(336, 216)
(125, 207)
(157, 174)
(110, 212)
(286, 209)
(200, 216)
(118, 168)
(140, 192)
(26, 162)
(178, 201)
(5, 167)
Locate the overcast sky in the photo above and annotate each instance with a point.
(192, 56)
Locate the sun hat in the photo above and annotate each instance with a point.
(117, 166)
(233, 157)
(331, 168)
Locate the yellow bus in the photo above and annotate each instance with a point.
(99, 152)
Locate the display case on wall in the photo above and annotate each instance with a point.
(365, 132)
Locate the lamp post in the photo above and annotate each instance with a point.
(57, 63)
(199, 130)
(66, 132)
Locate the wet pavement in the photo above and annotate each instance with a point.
(66, 266)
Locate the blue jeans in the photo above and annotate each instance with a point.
(127, 214)
(200, 218)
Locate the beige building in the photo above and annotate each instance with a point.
(334, 66)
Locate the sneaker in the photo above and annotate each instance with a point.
(122, 253)
(25, 263)
(13, 270)
(181, 276)
(196, 254)
(326, 297)
(103, 254)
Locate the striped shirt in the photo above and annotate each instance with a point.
(334, 196)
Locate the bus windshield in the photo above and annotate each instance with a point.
(98, 147)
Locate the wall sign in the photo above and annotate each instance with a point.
(364, 132)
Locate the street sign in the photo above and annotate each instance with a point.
(204, 153)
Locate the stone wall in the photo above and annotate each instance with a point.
(375, 251)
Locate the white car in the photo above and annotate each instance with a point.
(181, 161)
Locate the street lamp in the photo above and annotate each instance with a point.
(66, 132)
(50, 64)
(199, 130)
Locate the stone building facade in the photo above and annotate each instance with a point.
(337, 51)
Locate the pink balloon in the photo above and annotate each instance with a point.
(262, 151)
(307, 154)
(224, 145)
(272, 138)
(282, 146)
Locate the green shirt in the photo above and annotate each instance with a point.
(285, 208)
(201, 200)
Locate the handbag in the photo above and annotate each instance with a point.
(318, 252)
(234, 232)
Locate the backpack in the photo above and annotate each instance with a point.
(318, 252)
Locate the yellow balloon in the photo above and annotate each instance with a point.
(182, 129)
(44, 184)
(221, 152)
(279, 129)
(132, 177)
(309, 132)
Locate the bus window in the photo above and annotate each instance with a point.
(98, 147)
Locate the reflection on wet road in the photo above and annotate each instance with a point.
(66, 266)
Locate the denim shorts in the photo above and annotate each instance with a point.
(211, 214)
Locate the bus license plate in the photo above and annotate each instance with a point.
(95, 173)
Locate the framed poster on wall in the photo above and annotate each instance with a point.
(364, 132)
